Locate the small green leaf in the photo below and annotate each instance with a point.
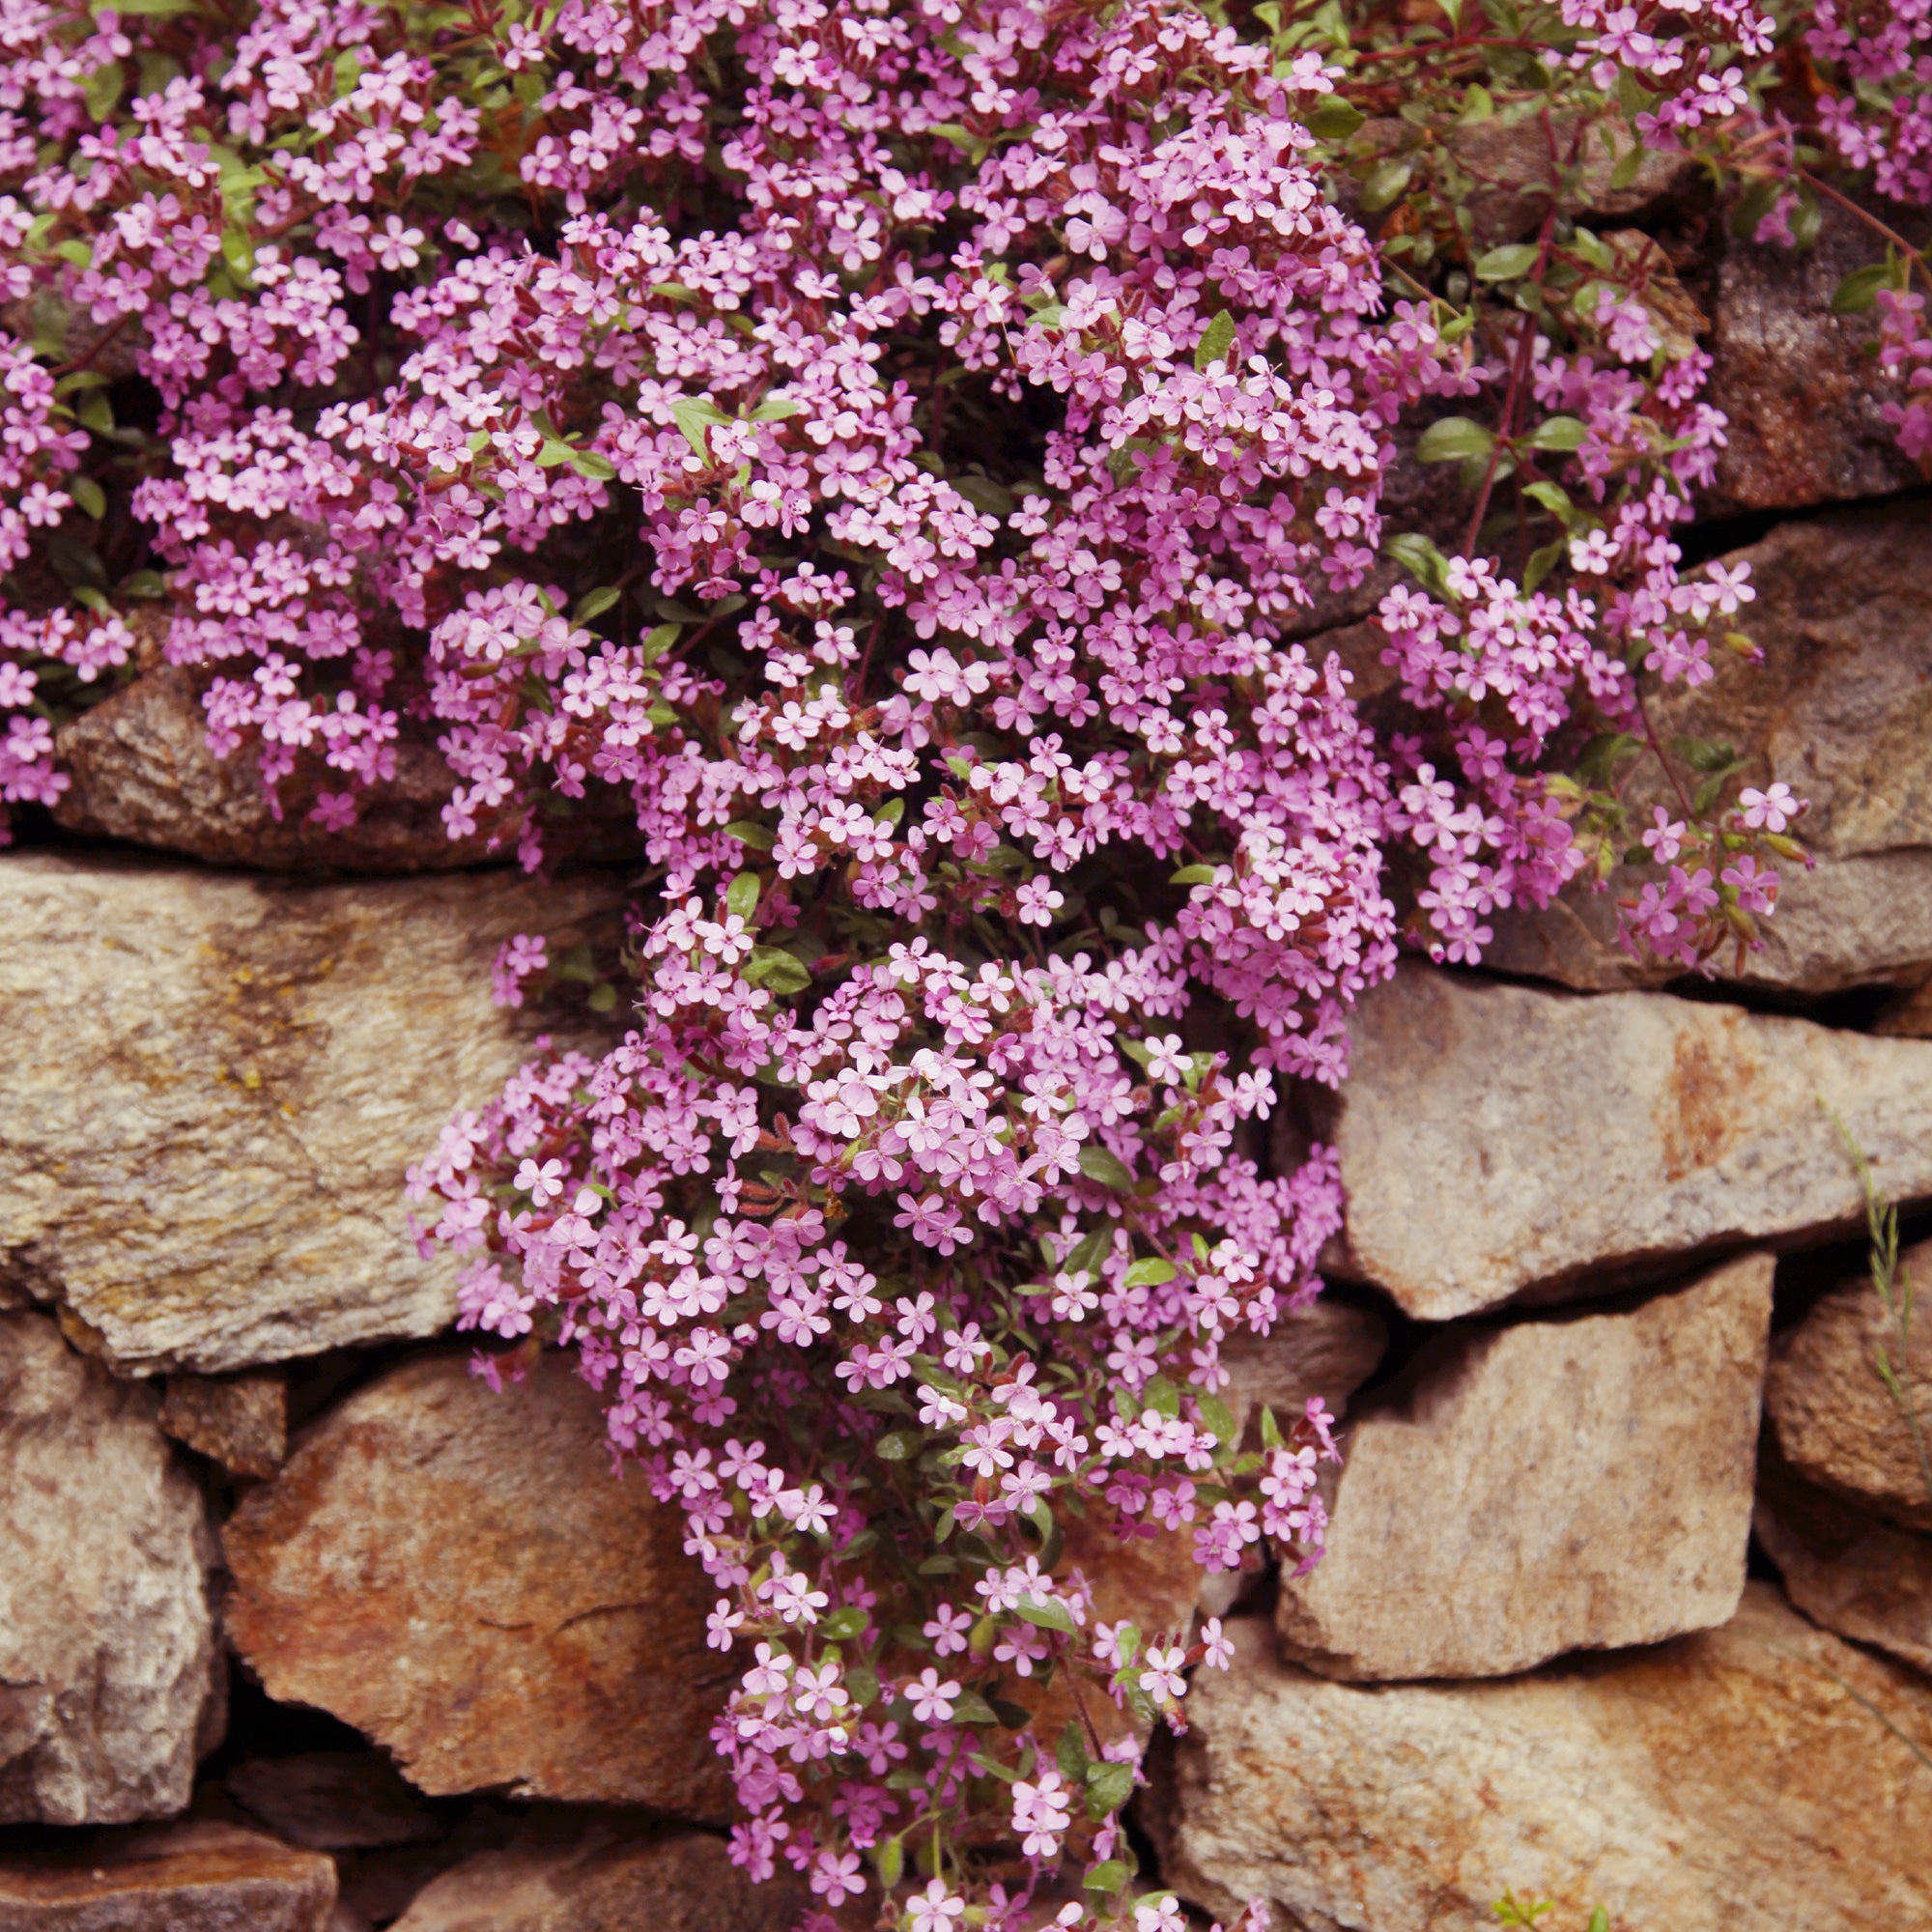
(993, 1769)
(1859, 291)
(1216, 341)
(1048, 1614)
(1334, 119)
(594, 465)
(1150, 1272)
(757, 836)
(1108, 1169)
(1218, 1418)
(102, 91)
(1109, 1877)
(1384, 184)
(1419, 557)
(898, 1445)
(741, 895)
(774, 408)
(890, 1858)
(1193, 875)
(970, 1708)
(1109, 1786)
(1507, 264)
(1541, 563)
(1454, 439)
(658, 643)
(1272, 1436)
(595, 603)
(1553, 499)
(1072, 1754)
(1127, 1642)
(603, 998)
(1707, 755)
(862, 1684)
(1162, 1397)
(694, 416)
(844, 1623)
(778, 971)
(88, 495)
(1558, 432)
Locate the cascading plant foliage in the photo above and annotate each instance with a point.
(873, 461)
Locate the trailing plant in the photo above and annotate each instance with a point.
(887, 459)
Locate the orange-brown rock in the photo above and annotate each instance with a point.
(200, 1876)
(1761, 1775)
(460, 1576)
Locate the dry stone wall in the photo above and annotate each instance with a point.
(1628, 1601)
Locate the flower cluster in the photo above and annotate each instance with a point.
(888, 460)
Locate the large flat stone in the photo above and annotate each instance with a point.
(1744, 1777)
(109, 1674)
(1847, 1569)
(141, 771)
(571, 1875)
(460, 1576)
(200, 1876)
(1588, 1483)
(1841, 711)
(1836, 1421)
(1501, 1140)
(215, 1084)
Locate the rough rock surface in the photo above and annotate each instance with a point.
(1836, 1421)
(200, 1876)
(109, 1666)
(1797, 382)
(142, 771)
(1616, 1133)
(240, 1421)
(333, 1800)
(1846, 1568)
(1328, 1348)
(457, 1575)
(1548, 1487)
(1841, 711)
(215, 1084)
(1721, 1781)
(601, 1876)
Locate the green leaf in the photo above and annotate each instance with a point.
(1707, 755)
(603, 998)
(1508, 263)
(1217, 340)
(1272, 1436)
(1859, 291)
(1107, 1878)
(774, 408)
(144, 584)
(1108, 1169)
(1072, 1754)
(862, 1681)
(1193, 875)
(1541, 563)
(890, 1858)
(898, 1445)
(694, 416)
(102, 91)
(1218, 1418)
(1553, 499)
(741, 895)
(1109, 1786)
(1558, 432)
(993, 1769)
(88, 495)
(1150, 1272)
(1162, 1397)
(844, 1623)
(970, 1708)
(1419, 557)
(593, 464)
(1048, 1614)
(1334, 119)
(1454, 439)
(1012, 1717)
(757, 836)
(1384, 184)
(778, 971)
(659, 643)
(595, 603)
(1127, 1642)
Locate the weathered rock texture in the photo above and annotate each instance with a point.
(108, 1656)
(1847, 1569)
(457, 1575)
(1726, 1780)
(142, 771)
(240, 1421)
(1841, 711)
(215, 1086)
(195, 1877)
(1548, 1487)
(1836, 1422)
(1615, 1134)
(1797, 383)
(570, 1876)
(1328, 1348)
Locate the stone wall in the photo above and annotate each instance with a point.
(1629, 1597)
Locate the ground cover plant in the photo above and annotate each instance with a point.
(871, 464)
